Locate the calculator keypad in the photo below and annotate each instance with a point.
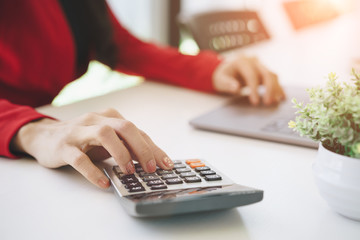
(186, 172)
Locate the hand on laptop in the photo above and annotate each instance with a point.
(232, 75)
(54, 144)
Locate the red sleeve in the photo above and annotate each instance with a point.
(12, 117)
(164, 64)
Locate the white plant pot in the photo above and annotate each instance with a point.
(338, 181)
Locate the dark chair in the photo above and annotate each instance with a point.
(225, 30)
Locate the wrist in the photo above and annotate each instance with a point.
(26, 135)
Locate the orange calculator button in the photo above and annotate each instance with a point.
(189, 161)
(197, 164)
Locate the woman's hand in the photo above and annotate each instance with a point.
(234, 74)
(53, 144)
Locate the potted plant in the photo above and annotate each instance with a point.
(332, 117)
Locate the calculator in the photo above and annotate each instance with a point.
(193, 185)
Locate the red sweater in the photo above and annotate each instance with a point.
(37, 59)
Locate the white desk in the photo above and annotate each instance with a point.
(40, 203)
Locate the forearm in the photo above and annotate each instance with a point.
(164, 64)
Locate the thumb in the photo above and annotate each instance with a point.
(227, 84)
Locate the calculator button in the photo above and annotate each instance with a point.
(144, 174)
(177, 162)
(154, 182)
(139, 169)
(212, 177)
(168, 176)
(137, 189)
(129, 179)
(177, 166)
(208, 172)
(162, 172)
(187, 174)
(156, 187)
(182, 170)
(133, 184)
(192, 179)
(197, 164)
(199, 169)
(150, 178)
(172, 181)
(192, 161)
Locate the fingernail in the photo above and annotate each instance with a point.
(130, 168)
(168, 163)
(151, 166)
(104, 182)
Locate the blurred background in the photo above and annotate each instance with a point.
(323, 27)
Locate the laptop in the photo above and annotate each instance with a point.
(239, 117)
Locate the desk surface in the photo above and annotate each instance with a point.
(61, 204)
(40, 203)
